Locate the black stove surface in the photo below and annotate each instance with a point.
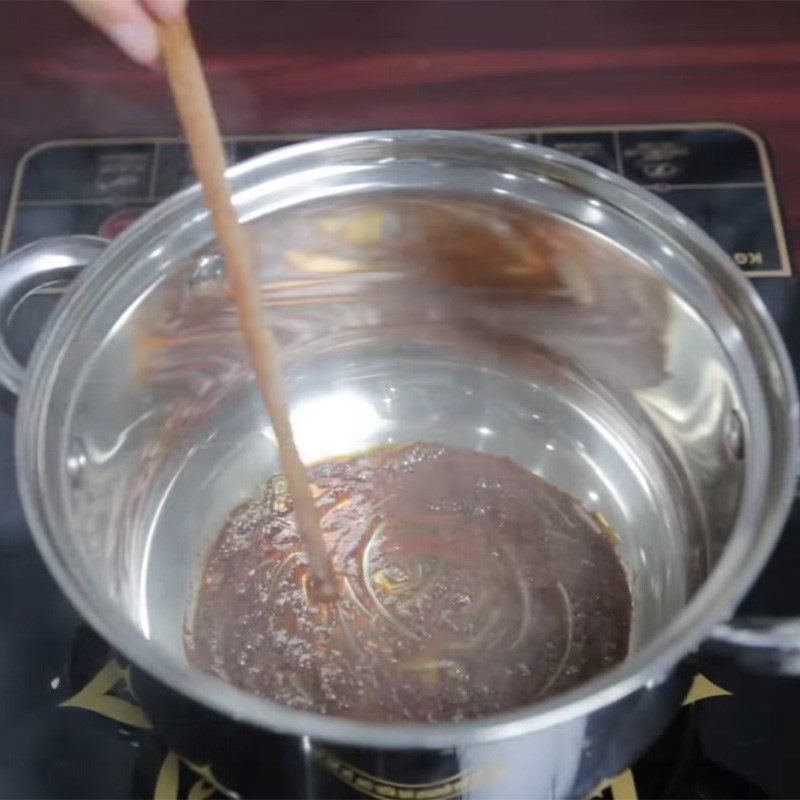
(69, 726)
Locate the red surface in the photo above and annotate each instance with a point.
(306, 66)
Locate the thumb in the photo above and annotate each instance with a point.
(129, 24)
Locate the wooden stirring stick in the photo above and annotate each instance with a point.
(199, 122)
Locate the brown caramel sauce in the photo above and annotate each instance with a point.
(469, 586)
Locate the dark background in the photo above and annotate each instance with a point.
(319, 66)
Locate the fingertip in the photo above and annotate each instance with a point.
(127, 24)
(137, 40)
(165, 10)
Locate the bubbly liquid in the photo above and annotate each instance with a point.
(469, 586)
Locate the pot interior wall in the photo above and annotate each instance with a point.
(537, 324)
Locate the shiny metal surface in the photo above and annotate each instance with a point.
(769, 645)
(32, 266)
(424, 285)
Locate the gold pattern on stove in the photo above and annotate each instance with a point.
(97, 697)
(623, 787)
(101, 695)
(703, 688)
(169, 780)
(207, 775)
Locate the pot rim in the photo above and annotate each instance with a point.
(714, 602)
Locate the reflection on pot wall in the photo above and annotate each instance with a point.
(399, 321)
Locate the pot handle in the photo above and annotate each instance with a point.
(768, 645)
(34, 265)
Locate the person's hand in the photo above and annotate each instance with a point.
(131, 24)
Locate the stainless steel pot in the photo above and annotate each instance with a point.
(438, 286)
